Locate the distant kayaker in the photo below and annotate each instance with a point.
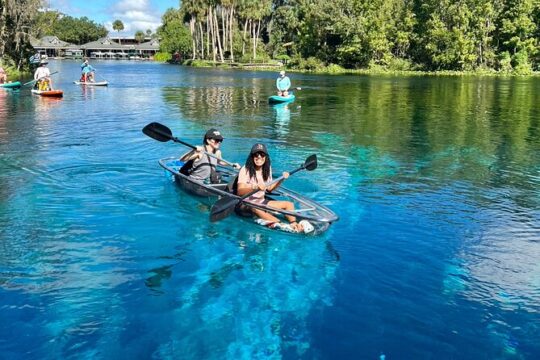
(3, 75)
(43, 76)
(255, 174)
(199, 165)
(283, 83)
(87, 72)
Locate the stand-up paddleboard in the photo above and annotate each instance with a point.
(276, 99)
(90, 83)
(48, 93)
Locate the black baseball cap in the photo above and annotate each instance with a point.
(213, 134)
(258, 148)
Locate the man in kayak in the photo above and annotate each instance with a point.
(200, 166)
(283, 83)
(3, 75)
(42, 75)
(87, 72)
(255, 174)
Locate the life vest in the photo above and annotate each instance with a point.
(43, 85)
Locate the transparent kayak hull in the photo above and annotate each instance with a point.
(318, 215)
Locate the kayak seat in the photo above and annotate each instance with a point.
(232, 186)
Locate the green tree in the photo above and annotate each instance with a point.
(16, 20)
(44, 23)
(118, 26)
(139, 36)
(516, 26)
(77, 30)
(432, 34)
(174, 35)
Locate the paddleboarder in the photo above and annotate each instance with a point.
(283, 83)
(42, 75)
(87, 72)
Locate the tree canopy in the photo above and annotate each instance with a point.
(67, 28)
(139, 36)
(404, 34)
(174, 35)
(15, 21)
(118, 25)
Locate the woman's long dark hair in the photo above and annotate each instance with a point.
(250, 166)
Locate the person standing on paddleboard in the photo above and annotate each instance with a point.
(283, 83)
(255, 174)
(87, 72)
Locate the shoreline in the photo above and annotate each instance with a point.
(340, 71)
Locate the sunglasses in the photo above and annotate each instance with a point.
(218, 140)
(259, 154)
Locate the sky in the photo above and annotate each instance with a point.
(135, 14)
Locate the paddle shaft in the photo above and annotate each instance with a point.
(33, 81)
(98, 74)
(271, 183)
(175, 139)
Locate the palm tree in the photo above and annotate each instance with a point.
(118, 25)
(139, 36)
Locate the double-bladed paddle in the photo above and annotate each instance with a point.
(226, 205)
(162, 133)
(33, 81)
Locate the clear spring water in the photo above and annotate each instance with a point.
(436, 254)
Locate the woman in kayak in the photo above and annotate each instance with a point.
(199, 165)
(255, 174)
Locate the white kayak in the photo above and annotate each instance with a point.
(90, 83)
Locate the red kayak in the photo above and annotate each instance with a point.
(48, 93)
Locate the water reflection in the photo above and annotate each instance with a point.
(282, 114)
(87, 92)
(3, 111)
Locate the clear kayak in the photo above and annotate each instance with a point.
(91, 83)
(276, 99)
(48, 93)
(11, 85)
(315, 218)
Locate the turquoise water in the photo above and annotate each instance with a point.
(436, 254)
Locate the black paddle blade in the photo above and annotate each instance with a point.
(158, 132)
(311, 162)
(223, 208)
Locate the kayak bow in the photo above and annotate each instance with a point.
(11, 85)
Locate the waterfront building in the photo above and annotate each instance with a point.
(104, 48)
